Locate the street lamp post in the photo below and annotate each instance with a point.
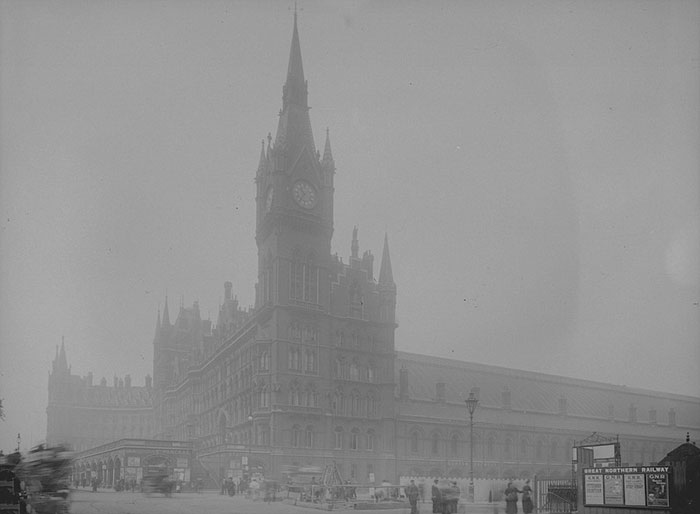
(250, 443)
(471, 402)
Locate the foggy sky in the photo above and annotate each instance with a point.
(535, 165)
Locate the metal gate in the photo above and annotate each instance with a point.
(555, 495)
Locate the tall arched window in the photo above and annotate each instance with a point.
(265, 396)
(553, 449)
(310, 358)
(435, 443)
(538, 450)
(414, 441)
(371, 405)
(523, 448)
(354, 371)
(338, 438)
(370, 439)
(303, 279)
(454, 444)
(296, 436)
(354, 436)
(356, 304)
(371, 374)
(264, 361)
(309, 437)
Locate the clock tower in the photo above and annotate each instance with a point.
(294, 202)
(322, 345)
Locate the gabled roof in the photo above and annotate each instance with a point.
(539, 392)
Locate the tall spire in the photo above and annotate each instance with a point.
(355, 246)
(158, 323)
(261, 164)
(166, 315)
(386, 277)
(296, 85)
(61, 359)
(327, 154)
(294, 127)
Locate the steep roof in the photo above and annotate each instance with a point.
(539, 392)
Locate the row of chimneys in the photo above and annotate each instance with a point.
(123, 383)
(506, 401)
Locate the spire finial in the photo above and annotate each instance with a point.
(355, 246)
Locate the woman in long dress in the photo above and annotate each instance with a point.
(527, 497)
(511, 493)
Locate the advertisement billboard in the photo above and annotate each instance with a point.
(640, 486)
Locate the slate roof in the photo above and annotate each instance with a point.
(539, 392)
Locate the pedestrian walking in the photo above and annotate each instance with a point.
(527, 497)
(412, 493)
(436, 497)
(511, 493)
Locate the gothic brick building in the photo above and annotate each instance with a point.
(84, 415)
(311, 374)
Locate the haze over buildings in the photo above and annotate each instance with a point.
(535, 166)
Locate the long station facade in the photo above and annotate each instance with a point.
(311, 374)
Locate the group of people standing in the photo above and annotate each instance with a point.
(445, 500)
(511, 494)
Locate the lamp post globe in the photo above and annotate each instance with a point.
(471, 403)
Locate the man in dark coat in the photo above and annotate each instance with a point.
(436, 497)
(412, 493)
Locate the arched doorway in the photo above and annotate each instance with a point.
(117, 469)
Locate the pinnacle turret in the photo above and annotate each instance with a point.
(166, 315)
(327, 153)
(261, 164)
(355, 246)
(386, 277)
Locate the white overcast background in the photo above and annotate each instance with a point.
(535, 165)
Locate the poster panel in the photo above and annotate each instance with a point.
(657, 490)
(612, 490)
(635, 492)
(594, 489)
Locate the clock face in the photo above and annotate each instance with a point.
(304, 194)
(268, 200)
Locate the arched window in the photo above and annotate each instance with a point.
(371, 374)
(337, 367)
(303, 280)
(310, 361)
(338, 438)
(523, 448)
(354, 371)
(264, 363)
(454, 444)
(294, 395)
(296, 436)
(265, 396)
(553, 448)
(371, 405)
(309, 437)
(538, 450)
(414, 441)
(435, 443)
(356, 304)
(370, 439)
(354, 436)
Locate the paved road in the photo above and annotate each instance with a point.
(109, 502)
